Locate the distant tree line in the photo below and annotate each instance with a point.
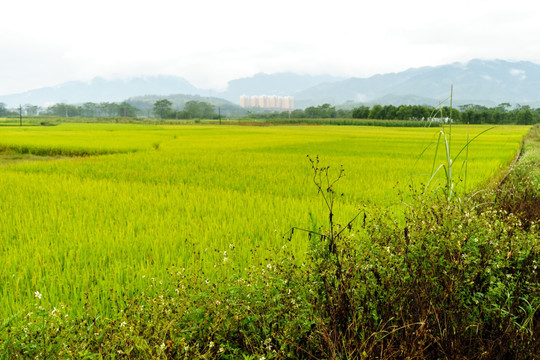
(472, 114)
(503, 113)
(192, 110)
(89, 109)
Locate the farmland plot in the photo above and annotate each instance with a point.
(120, 204)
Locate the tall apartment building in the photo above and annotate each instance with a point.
(271, 102)
(254, 101)
(244, 101)
(288, 102)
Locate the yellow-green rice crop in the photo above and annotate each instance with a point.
(191, 196)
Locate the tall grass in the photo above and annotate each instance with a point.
(450, 157)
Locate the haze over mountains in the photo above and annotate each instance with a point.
(483, 82)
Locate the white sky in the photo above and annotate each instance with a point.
(209, 42)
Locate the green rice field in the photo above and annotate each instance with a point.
(90, 209)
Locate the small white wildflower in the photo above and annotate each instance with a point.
(218, 302)
(225, 253)
(162, 346)
(53, 311)
(221, 349)
(37, 294)
(225, 260)
(123, 323)
(211, 345)
(269, 266)
(186, 348)
(231, 246)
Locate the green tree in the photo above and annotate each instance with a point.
(344, 114)
(162, 108)
(376, 112)
(503, 107)
(404, 112)
(30, 109)
(361, 112)
(324, 111)
(390, 112)
(297, 114)
(420, 112)
(89, 109)
(126, 110)
(108, 109)
(525, 116)
(64, 110)
(200, 110)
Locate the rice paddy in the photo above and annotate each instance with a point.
(95, 209)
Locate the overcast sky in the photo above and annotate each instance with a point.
(209, 42)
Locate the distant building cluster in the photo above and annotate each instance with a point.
(272, 102)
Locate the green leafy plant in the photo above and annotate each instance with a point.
(445, 138)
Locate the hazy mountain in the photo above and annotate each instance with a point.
(478, 81)
(101, 90)
(283, 84)
(484, 82)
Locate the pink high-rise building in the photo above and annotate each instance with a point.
(271, 102)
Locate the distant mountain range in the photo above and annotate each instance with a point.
(483, 82)
(101, 90)
(478, 82)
